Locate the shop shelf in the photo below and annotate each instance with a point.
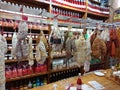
(27, 76)
(14, 61)
(63, 69)
(57, 57)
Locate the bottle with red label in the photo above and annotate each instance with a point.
(19, 71)
(14, 72)
(79, 82)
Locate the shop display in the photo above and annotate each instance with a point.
(39, 52)
(80, 4)
(14, 71)
(98, 48)
(30, 57)
(68, 45)
(59, 11)
(14, 44)
(27, 84)
(3, 50)
(97, 8)
(70, 72)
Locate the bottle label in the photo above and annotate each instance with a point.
(79, 87)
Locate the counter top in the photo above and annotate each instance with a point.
(107, 83)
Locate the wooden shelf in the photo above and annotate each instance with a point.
(26, 76)
(14, 61)
(43, 4)
(97, 14)
(68, 7)
(56, 57)
(44, 28)
(63, 69)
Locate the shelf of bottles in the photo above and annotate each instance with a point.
(63, 74)
(97, 66)
(14, 69)
(98, 9)
(79, 5)
(25, 84)
(66, 13)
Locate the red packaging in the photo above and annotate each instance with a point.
(8, 74)
(25, 18)
(29, 70)
(19, 72)
(24, 70)
(45, 68)
(42, 68)
(14, 73)
(37, 69)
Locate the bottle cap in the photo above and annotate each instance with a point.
(79, 74)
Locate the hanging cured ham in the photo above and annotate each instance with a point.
(3, 50)
(30, 57)
(41, 53)
(14, 43)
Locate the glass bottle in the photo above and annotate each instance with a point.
(29, 85)
(79, 82)
(37, 82)
(34, 83)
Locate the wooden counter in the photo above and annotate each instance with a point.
(108, 84)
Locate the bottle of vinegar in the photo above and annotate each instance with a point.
(79, 82)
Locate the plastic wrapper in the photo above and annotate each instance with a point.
(38, 54)
(55, 39)
(14, 44)
(22, 30)
(41, 53)
(22, 49)
(3, 50)
(30, 57)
